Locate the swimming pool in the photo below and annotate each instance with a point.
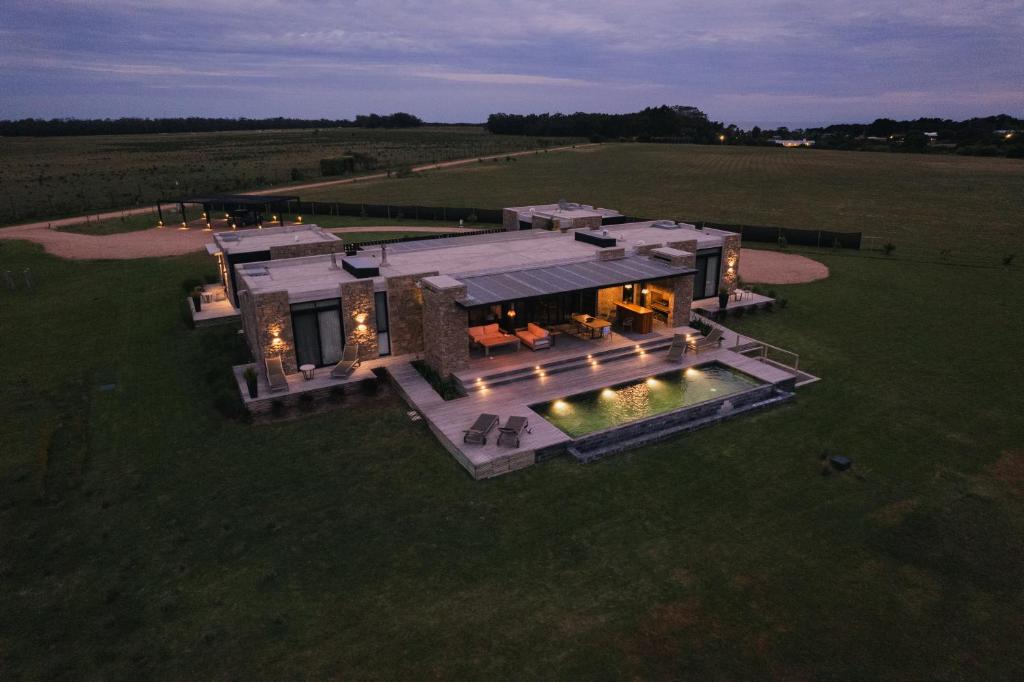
(585, 413)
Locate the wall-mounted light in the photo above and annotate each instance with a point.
(361, 327)
(644, 291)
(298, 219)
(360, 317)
(511, 313)
(628, 286)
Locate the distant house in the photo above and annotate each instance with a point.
(794, 143)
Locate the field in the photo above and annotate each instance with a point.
(43, 178)
(143, 534)
(917, 201)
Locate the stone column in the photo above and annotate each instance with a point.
(730, 268)
(272, 329)
(358, 316)
(405, 312)
(445, 341)
(509, 219)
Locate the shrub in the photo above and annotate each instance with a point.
(471, 218)
(189, 285)
(369, 386)
(444, 388)
(1008, 260)
(782, 241)
(888, 248)
(782, 302)
(278, 408)
(210, 278)
(700, 325)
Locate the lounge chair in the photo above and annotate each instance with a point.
(349, 361)
(275, 374)
(513, 430)
(704, 342)
(477, 433)
(678, 347)
(535, 337)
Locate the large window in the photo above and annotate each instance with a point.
(317, 329)
(705, 282)
(380, 305)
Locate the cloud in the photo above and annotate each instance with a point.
(455, 56)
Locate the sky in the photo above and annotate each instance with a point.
(770, 63)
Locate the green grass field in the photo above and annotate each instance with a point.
(917, 201)
(42, 178)
(145, 535)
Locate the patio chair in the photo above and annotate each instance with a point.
(275, 374)
(513, 430)
(704, 342)
(477, 433)
(349, 361)
(677, 349)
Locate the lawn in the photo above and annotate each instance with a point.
(126, 223)
(922, 203)
(145, 535)
(50, 177)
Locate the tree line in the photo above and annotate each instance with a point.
(653, 124)
(38, 127)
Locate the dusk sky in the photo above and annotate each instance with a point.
(768, 63)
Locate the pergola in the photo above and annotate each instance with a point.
(248, 205)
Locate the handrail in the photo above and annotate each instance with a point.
(762, 349)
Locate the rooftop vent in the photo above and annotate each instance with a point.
(665, 225)
(360, 266)
(255, 270)
(229, 237)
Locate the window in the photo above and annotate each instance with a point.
(317, 330)
(705, 282)
(380, 306)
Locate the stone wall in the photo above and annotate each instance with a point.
(689, 245)
(358, 316)
(405, 313)
(510, 219)
(445, 341)
(606, 300)
(611, 253)
(730, 267)
(591, 222)
(306, 249)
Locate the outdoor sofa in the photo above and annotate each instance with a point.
(490, 336)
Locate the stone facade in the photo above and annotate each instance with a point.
(510, 219)
(591, 222)
(268, 327)
(689, 245)
(647, 248)
(606, 300)
(611, 253)
(730, 267)
(405, 313)
(358, 316)
(445, 341)
(310, 249)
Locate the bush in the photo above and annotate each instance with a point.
(782, 302)
(278, 408)
(444, 388)
(888, 248)
(1008, 260)
(700, 325)
(210, 278)
(471, 218)
(369, 386)
(782, 241)
(306, 402)
(189, 285)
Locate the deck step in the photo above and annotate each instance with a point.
(565, 364)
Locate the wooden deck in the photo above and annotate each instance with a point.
(214, 312)
(709, 306)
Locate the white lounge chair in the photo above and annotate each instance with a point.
(349, 361)
(275, 374)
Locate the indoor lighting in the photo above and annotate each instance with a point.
(628, 286)
(511, 313)
(644, 291)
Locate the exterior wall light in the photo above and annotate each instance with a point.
(298, 219)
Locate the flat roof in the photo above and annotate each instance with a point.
(496, 253)
(262, 239)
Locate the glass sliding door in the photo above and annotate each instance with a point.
(705, 282)
(318, 335)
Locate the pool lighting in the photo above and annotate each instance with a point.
(607, 394)
(691, 372)
(560, 406)
(652, 382)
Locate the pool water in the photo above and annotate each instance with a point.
(588, 412)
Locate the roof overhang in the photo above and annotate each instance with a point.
(484, 289)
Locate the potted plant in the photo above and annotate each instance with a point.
(250, 381)
(723, 298)
(197, 298)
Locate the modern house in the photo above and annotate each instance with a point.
(576, 331)
(563, 215)
(425, 297)
(270, 243)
